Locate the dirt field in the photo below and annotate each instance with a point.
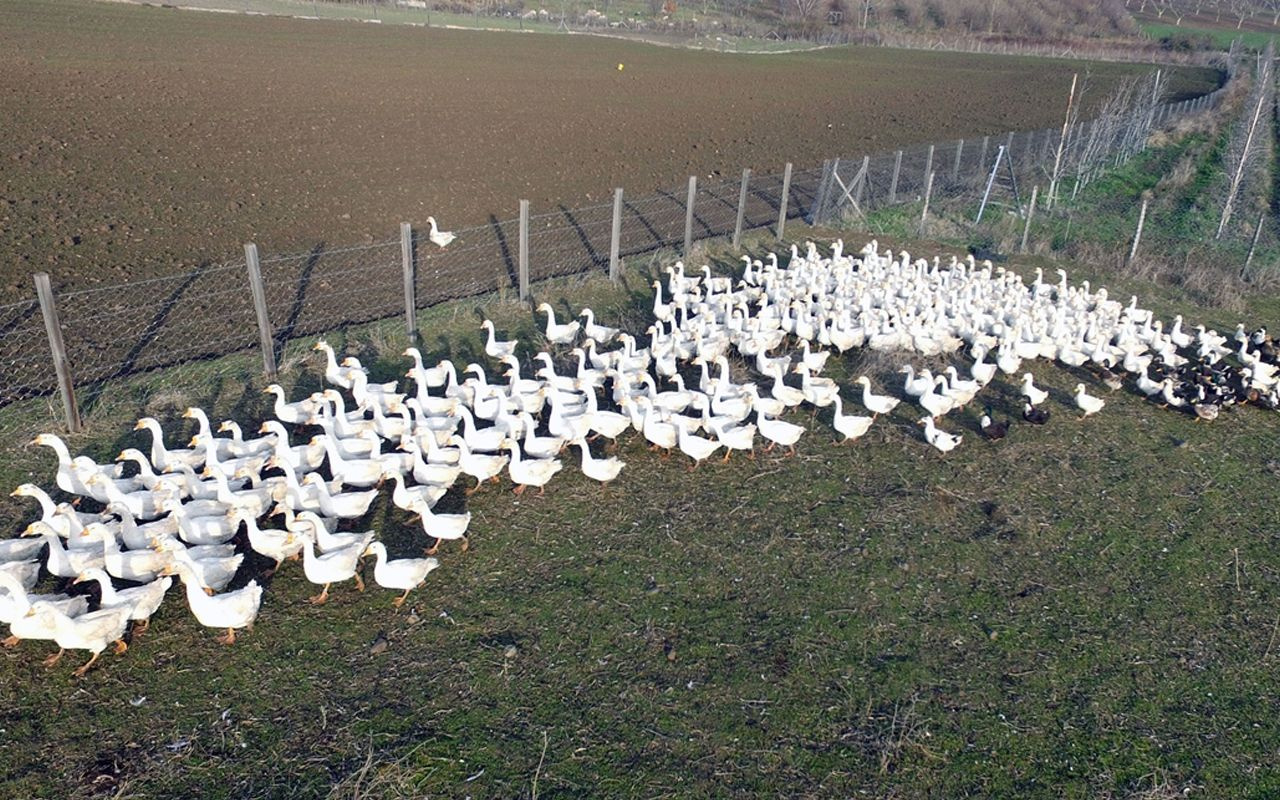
(143, 141)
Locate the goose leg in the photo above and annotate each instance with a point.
(431, 551)
(319, 599)
(53, 659)
(80, 672)
(465, 543)
(519, 490)
(359, 583)
(727, 453)
(228, 638)
(121, 647)
(10, 641)
(399, 601)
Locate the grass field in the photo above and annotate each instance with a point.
(146, 141)
(1221, 38)
(1087, 609)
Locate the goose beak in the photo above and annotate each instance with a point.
(188, 413)
(139, 425)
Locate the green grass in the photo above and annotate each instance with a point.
(1219, 38)
(1081, 610)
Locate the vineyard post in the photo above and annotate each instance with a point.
(782, 205)
(524, 250)
(265, 336)
(615, 236)
(742, 207)
(61, 366)
(406, 263)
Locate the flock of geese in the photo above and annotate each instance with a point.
(319, 464)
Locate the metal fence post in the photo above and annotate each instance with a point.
(1257, 231)
(928, 165)
(61, 366)
(265, 336)
(893, 184)
(955, 167)
(782, 205)
(406, 263)
(615, 236)
(982, 158)
(1137, 235)
(928, 192)
(524, 249)
(1031, 212)
(742, 208)
(824, 189)
(688, 214)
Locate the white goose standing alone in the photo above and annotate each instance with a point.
(402, 573)
(438, 237)
(1086, 402)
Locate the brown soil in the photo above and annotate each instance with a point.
(141, 141)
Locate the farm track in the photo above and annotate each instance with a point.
(145, 142)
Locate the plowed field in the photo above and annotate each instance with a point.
(140, 141)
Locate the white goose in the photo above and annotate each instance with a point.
(401, 573)
(140, 601)
(163, 458)
(229, 610)
(778, 432)
(695, 447)
(851, 426)
(326, 569)
(943, 441)
(526, 472)
(92, 631)
(598, 469)
(875, 403)
(303, 412)
(558, 333)
(438, 237)
(495, 349)
(480, 466)
(1086, 402)
(1035, 395)
(598, 333)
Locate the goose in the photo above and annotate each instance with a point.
(818, 392)
(274, 544)
(937, 403)
(302, 458)
(308, 523)
(174, 484)
(789, 396)
(326, 569)
(228, 467)
(609, 424)
(1087, 403)
(562, 333)
(361, 473)
(540, 446)
(778, 431)
(659, 432)
(21, 549)
(814, 361)
(1167, 394)
(144, 505)
(73, 473)
(444, 526)
(426, 377)
(851, 426)
(342, 505)
(598, 469)
(940, 439)
(494, 348)
(303, 412)
(732, 436)
(221, 446)
(594, 332)
(694, 447)
(16, 601)
(163, 458)
(211, 574)
(438, 237)
(1147, 386)
(768, 405)
(412, 498)
(203, 529)
(961, 391)
(480, 466)
(401, 573)
(333, 410)
(367, 395)
(981, 371)
(1036, 416)
(487, 440)
(27, 573)
(334, 373)
(91, 631)
(991, 429)
(48, 508)
(917, 385)
(139, 566)
(426, 472)
(241, 447)
(140, 601)
(876, 404)
(527, 472)
(60, 561)
(1034, 395)
(229, 610)
(434, 439)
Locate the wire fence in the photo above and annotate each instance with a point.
(131, 346)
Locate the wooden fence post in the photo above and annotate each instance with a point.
(782, 206)
(1031, 212)
(742, 208)
(928, 165)
(819, 213)
(524, 250)
(406, 262)
(688, 214)
(955, 167)
(862, 181)
(982, 158)
(928, 192)
(61, 366)
(265, 336)
(615, 236)
(893, 184)
(1137, 235)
